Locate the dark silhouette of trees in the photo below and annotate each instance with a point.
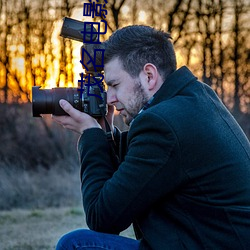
(211, 37)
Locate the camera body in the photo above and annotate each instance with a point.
(90, 98)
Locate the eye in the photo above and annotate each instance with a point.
(115, 85)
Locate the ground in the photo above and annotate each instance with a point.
(40, 229)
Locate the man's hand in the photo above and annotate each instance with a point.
(76, 121)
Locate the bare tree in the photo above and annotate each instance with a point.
(115, 8)
(4, 55)
(210, 35)
(239, 53)
(11, 78)
(66, 66)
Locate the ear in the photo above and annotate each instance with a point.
(151, 76)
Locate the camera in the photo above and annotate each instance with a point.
(90, 99)
(46, 101)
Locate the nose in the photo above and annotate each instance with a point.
(111, 97)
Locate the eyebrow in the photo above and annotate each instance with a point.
(110, 83)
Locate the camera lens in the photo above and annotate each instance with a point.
(46, 101)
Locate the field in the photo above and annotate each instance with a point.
(40, 198)
(40, 229)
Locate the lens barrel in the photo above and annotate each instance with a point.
(46, 101)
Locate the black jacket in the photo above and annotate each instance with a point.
(185, 178)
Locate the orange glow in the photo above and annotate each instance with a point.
(180, 59)
(19, 64)
(125, 10)
(142, 16)
(45, 68)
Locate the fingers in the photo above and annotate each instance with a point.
(68, 108)
(62, 120)
(76, 120)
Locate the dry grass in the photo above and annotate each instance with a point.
(39, 184)
(36, 229)
(40, 229)
(39, 165)
(41, 188)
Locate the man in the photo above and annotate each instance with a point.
(183, 178)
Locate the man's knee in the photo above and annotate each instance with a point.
(69, 240)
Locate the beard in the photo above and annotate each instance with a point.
(135, 103)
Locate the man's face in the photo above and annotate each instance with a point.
(127, 94)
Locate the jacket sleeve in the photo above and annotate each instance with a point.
(113, 199)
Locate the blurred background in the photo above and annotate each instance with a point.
(38, 159)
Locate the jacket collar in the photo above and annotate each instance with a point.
(173, 84)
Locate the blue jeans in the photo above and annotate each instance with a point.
(87, 240)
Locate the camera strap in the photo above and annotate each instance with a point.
(109, 133)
